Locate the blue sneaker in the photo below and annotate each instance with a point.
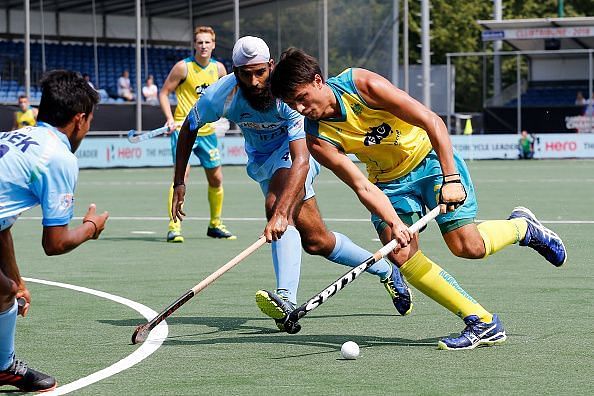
(540, 238)
(399, 292)
(475, 334)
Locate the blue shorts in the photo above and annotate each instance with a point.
(413, 193)
(278, 159)
(205, 148)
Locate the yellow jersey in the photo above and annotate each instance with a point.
(389, 147)
(189, 90)
(25, 118)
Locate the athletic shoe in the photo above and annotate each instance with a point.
(399, 292)
(220, 232)
(174, 236)
(26, 379)
(275, 306)
(475, 334)
(540, 238)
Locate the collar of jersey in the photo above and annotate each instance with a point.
(199, 65)
(59, 134)
(342, 116)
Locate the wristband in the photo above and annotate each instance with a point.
(179, 184)
(456, 177)
(94, 225)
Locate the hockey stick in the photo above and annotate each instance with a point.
(134, 138)
(291, 322)
(142, 331)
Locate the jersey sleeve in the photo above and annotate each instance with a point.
(205, 110)
(294, 122)
(54, 186)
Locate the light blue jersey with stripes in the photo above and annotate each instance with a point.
(264, 132)
(37, 167)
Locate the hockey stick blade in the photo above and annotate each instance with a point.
(134, 138)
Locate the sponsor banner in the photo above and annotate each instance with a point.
(118, 152)
(550, 145)
(564, 146)
(580, 123)
(538, 33)
(486, 146)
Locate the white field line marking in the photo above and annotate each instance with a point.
(153, 342)
(142, 232)
(160, 218)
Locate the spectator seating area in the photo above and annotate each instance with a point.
(551, 93)
(112, 60)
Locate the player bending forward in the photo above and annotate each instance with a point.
(279, 161)
(411, 166)
(38, 167)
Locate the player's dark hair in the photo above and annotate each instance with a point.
(295, 68)
(64, 94)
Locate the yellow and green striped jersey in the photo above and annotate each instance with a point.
(389, 147)
(190, 89)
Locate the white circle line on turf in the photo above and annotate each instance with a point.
(152, 343)
(160, 218)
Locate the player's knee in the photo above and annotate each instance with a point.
(402, 255)
(317, 244)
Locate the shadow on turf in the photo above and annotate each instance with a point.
(333, 341)
(256, 334)
(225, 323)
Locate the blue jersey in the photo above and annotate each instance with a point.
(264, 132)
(37, 167)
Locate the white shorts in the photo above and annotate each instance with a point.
(281, 158)
(6, 222)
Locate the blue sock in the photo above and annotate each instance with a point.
(286, 257)
(346, 252)
(7, 331)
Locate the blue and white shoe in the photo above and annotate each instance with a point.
(540, 238)
(399, 292)
(476, 334)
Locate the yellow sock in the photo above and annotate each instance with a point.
(215, 200)
(173, 226)
(498, 234)
(430, 279)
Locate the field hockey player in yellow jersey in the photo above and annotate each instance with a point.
(25, 115)
(411, 165)
(188, 79)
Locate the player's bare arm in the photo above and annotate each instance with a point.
(292, 191)
(176, 76)
(184, 148)
(221, 69)
(380, 93)
(61, 239)
(370, 196)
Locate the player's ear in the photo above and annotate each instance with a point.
(271, 63)
(318, 81)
